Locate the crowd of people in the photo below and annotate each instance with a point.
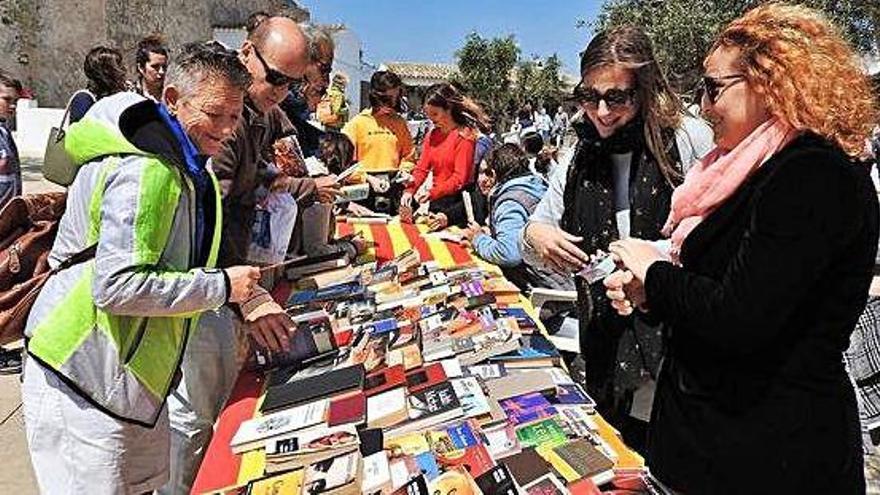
(744, 240)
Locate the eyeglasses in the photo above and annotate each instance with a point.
(713, 87)
(614, 98)
(273, 76)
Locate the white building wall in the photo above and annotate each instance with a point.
(347, 59)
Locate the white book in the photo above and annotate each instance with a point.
(471, 396)
(387, 409)
(253, 433)
(377, 472)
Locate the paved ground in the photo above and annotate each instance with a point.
(16, 474)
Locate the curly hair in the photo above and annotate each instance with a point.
(808, 75)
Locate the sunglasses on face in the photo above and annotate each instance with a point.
(614, 98)
(273, 76)
(713, 87)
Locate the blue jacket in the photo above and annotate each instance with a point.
(507, 219)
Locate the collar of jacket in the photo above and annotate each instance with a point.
(251, 115)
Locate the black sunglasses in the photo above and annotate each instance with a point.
(273, 76)
(714, 86)
(614, 98)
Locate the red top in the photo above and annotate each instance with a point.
(451, 157)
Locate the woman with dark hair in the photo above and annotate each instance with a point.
(633, 148)
(106, 76)
(447, 153)
(513, 193)
(774, 236)
(151, 62)
(382, 141)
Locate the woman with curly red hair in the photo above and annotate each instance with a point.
(774, 235)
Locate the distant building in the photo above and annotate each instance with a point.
(44, 42)
(418, 77)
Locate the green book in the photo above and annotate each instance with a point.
(546, 431)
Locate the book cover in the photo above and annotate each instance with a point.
(497, 481)
(252, 433)
(428, 465)
(545, 431)
(546, 485)
(501, 440)
(384, 379)
(424, 377)
(471, 396)
(583, 460)
(332, 474)
(313, 388)
(349, 409)
(290, 482)
(523, 383)
(526, 466)
(409, 356)
(534, 346)
(313, 440)
(474, 459)
(410, 444)
(527, 408)
(376, 473)
(387, 409)
(573, 394)
(454, 482)
(487, 371)
(313, 340)
(415, 486)
(433, 401)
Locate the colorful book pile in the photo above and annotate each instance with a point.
(408, 379)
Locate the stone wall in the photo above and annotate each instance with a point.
(43, 42)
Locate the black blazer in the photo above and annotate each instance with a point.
(753, 396)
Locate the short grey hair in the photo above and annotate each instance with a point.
(316, 36)
(197, 62)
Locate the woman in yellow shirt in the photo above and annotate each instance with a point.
(382, 141)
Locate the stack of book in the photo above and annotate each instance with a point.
(409, 379)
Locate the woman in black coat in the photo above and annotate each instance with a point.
(774, 236)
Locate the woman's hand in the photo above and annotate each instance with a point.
(625, 292)
(471, 232)
(406, 211)
(556, 247)
(378, 185)
(636, 255)
(242, 280)
(437, 221)
(422, 196)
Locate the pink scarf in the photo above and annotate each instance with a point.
(716, 177)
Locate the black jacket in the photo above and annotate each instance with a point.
(753, 396)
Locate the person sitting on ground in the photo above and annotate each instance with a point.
(106, 76)
(151, 62)
(382, 141)
(513, 194)
(448, 154)
(106, 336)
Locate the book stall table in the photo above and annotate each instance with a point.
(223, 471)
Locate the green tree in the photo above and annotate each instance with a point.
(683, 30)
(493, 74)
(484, 68)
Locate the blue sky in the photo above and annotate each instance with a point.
(431, 31)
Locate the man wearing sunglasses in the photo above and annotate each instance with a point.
(276, 55)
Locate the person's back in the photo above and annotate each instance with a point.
(106, 76)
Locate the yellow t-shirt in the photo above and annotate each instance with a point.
(382, 143)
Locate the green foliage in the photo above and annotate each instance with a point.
(683, 30)
(493, 73)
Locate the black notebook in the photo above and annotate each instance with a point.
(313, 388)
